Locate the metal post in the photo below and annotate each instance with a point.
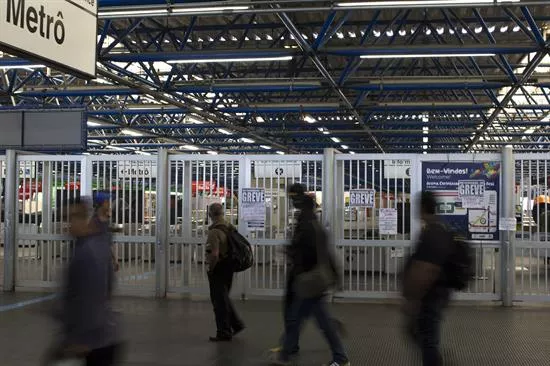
(245, 179)
(161, 267)
(329, 192)
(47, 213)
(10, 228)
(508, 236)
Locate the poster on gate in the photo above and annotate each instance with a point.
(253, 208)
(467, 196)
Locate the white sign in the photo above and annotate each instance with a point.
(278, 169)
(472, 193)
(362, 198)
(61, 32)
(24, 172)
(387, 222)
(253, 207)
(397, 252)
(136, 169)
(397, 168)
(507, 224)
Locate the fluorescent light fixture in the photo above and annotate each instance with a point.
(335, 139)
(224, 131)
(116, 148)
(389, 33)
(280, 153)
(265, 147)
(129, 132)
(230, 60)
(190, 147)
(402, 32)
(132, 12)
(182, 10)
(139, 152)
(400, 4)
(345, 147)
(352, 152)
(247, 140)
(428, 55)
(425, 139)
(212, 152)
(208, 9)
(309, 119)
(376, 33)
(30, 67)
(260, 119)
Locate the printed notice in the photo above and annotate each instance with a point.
(472, 193)
(362, 198)
(253, 207)
(507, 224)
(387, 223)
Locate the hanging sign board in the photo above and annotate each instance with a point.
(253, 207)
(362, 198)
(472, 193)
(278, 169)
(60, 33)
(397, 168)
(387, 222)
(136, 169)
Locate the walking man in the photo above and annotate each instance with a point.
(309, 246)
(425, 288)
(220, 276)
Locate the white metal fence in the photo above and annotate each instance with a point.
(371, 260)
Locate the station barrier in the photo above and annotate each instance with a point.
(159, 205)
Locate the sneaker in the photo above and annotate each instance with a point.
(334, 363)
(276, 360)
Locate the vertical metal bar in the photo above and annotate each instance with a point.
(10, 227)
(245, 179)
(508, 237)
(162, 224)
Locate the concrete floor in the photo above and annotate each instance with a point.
(175, 332)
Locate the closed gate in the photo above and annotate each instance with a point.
(532, 242)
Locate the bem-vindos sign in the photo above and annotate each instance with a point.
(58, 33)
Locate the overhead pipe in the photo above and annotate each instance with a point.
(196, 55)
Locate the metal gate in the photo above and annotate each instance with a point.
(532, 242)
(131, 182)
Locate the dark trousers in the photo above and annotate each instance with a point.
(426, 329)
(221, 280)
(300, 311)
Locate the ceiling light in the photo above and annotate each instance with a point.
(247, 140)
(229, 60)
(12, 67)
(280, 153)
(425, 139)
(209, 9)
(451, 31)
(345, 147)
(352, 152)
(326, 132)
(93, 124)
(269, 38)
(129, 132)
(309, 119)
(389, 33)
(257, 38)
(504, 28)
(265, 147)
(516, 28)
(352, 34)
(246, 38)
(340, 35)
(428, 31)
(335, 139)
(212, 152)
(428, 55)
(478, 29)
(222, 39)
(402, 32)
(224, 131)
(400, 4)
(464, 31)
(491, 28)
(440, 30)
(234, 39)
(376, 33)
(190, 147)
(128, 13)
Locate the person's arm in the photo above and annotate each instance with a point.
(213, 242)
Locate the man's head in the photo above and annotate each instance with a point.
(102, 203)
(296, 193)
(428, 204)
(215, 211)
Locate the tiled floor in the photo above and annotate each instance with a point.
(174, 332)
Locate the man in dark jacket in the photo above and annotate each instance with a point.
(425, 289)
(309, 238)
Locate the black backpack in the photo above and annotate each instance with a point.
(239, 250)
(459, 268)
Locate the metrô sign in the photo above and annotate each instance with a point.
(60, 33)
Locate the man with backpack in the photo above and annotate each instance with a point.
(221, 268)
(438, 265)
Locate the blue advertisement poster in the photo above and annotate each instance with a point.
(467, 196)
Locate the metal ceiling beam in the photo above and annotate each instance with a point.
(307, 49)
(529, 70)
(190, 106)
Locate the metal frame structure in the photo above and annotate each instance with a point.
(371, 78)
(164, 253)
